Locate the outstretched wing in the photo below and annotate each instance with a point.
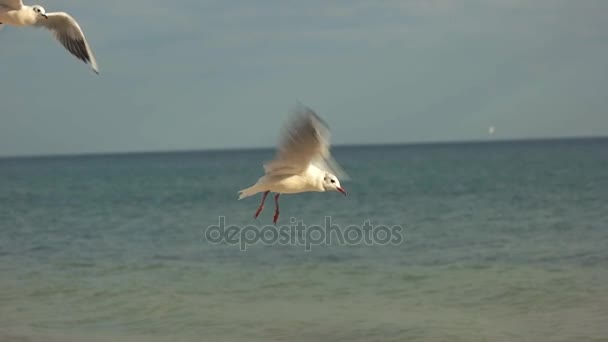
(67, 31)
(305, 141)
(12, 4)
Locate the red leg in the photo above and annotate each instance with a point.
(261, 207)
(276, 209)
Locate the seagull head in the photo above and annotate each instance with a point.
(39, 10)
(331, 183)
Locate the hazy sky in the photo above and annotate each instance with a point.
(223, 74)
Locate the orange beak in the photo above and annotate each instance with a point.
(342, 190)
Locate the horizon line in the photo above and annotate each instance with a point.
(337, 146)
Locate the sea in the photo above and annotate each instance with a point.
(479, 241)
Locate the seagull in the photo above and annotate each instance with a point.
(302, 163)
(65, 28)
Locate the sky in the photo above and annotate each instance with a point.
(215, 74)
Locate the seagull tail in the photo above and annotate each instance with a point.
(249, 191)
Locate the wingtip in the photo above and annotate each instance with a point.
(307, 113)
(93, 63)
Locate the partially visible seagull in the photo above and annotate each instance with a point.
(302, 163)
(65, 28)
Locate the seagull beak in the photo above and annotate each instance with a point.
(46, 16)
(342, 191)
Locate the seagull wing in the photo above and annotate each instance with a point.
(305, 141)
(12, 4)
(67, 31)
(328, 163)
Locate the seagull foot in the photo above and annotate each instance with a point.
(261, 207)
(257, 213)
(276, 208)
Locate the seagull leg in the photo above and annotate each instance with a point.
(276, 209)
(261, 207)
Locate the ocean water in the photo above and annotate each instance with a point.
(500, 242)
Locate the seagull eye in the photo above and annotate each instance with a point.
(333, 181)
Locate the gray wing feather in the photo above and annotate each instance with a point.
(305, 141)
(67, 31)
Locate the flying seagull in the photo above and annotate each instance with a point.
(65, 28)
(302, 163)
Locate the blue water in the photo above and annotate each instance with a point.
(501, 242)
